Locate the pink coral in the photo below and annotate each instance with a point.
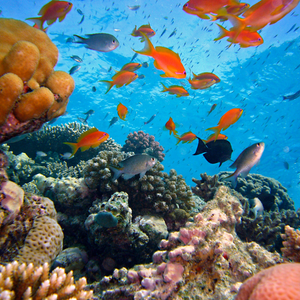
(280, 282)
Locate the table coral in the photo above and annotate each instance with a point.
(31, 93)
(141, 142)
(21, 281)
(291, 244)
(204, 260)
(281, 282)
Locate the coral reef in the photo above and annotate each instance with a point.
(21, 281)
(204, 260)
(291, 244)
(31, 93)
(141, 142)
(281, 282)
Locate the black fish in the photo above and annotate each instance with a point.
(113, 121)
(134, 57)
(217, 151)
(151, 119)
(286, 165)
(292, 97)
(94, 89)
(89, 112)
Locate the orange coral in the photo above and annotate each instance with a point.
(280, 282)
(291, 244)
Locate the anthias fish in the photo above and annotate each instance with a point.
(170, 125)
(187, 137)
(177, 90)
(136, 164)
(122, 111)
(245, 161)
(131, 67)
(102, 42)
(145, 29)
(203, 80)
(90, 138)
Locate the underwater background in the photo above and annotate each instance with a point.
(254, 79)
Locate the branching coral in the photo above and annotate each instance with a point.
(31, 93)
(21, 281)
(291, 244)
(141, 142)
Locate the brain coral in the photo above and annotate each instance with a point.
(280, 282)
(31, 93)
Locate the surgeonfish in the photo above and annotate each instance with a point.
(102, 42)
(245, 161)
(136, 164)
(257, 207)
(90, 138)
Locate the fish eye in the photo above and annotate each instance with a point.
(185, 5)
(258, 144)
(184, 72)
(113, 41)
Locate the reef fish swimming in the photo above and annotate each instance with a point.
(245, 161)
(215, 151)
(90, 138)
(292, 97)
(102, 42)
(136, 164)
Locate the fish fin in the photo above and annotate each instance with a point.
(128, 176)
(45, 8)
(164, 75)
(238, 25)
(74, 147)
(62, 18)
(109, 84)
(201, 148)
(165, 89)
(118, 86)
(245, 172)
(50, 22)
(96, 145)
(233, 179)
(223, 33)
(148, 48)
(94, 129)
(216, 130)
(38, 21)
(84, 148)
(142, 174)
(117, 172)
(81, 39)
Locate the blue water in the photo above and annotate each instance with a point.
(254, 79)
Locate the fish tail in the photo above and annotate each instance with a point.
(117, 172)
(216, 131)
(233, 178)
(148, 48)
(178, 139)
(38, 21)
(109, 84)
(223, 33)
(238, 25)
(81, 39)
(284, 98)
(165, 89)
(74, 147)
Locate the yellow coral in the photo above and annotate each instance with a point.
(35, 283)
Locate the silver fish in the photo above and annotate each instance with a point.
(66, 155)
(41, 154)
(76, 58)
(136, 164)
(102, 42)
(258, 208)
(245, 161)
(74, 69)
(134, 7)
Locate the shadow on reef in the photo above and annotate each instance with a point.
(279, 209)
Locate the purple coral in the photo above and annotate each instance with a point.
(141, 142)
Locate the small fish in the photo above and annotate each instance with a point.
(131, 67)
(170, 125)
(257, 207)
(165, 60)
(82, 19)
(145, 64)
(74, 69)
(229, 118)
(173, 33)
(135, 7)
(214, 152)
(145, 29)
(203, 80)
(177, 90)
(94, 89)
(41, 154)
(187, 137)
(122, 111)
(120, 79)
(134, 57)
(52, 11)
(136, 164)
(245, 161)
(102, 42)
(292, 97)
(66, 155)
(70, 40)
(113, 121)
(212, 138)
(76, 58)
(211, 109)
(286, 165)
(82, 120)
(106, 219)
(80, 11)
(164, 31)
(17, 138)
(150, 120)
(141, 76)
(89, 112)
(90, 138)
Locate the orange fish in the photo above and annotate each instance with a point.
(37, 27)
(51, 12)
(226, 120)
(187, 137)
(145, 29)
(203, 81)
(245, 39)
(90, 138)
(232, 10)
(122, 111)
(202, 8)
(175, 90)
(119, 79)
(261, 14)
(170, 125)
(131, 67)
(212, 137)
(165, 60)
